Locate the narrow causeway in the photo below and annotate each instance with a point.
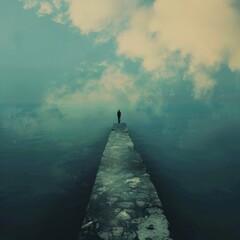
(124, 203)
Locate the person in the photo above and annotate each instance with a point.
(119, 116)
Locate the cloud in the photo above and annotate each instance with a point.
(95, 16)
(57, 3)
(88, 15)
(60, 18)
(205, 30)
(113, 89)
(203, 84)
(204, 34)
(138, 42)
(28, 121)
(28, 4)
(45, 9)
(91, 15)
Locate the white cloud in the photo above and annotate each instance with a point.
(207, 31)
(60, 18)
(90, 15)
(45, 9)
(57, 3)
(95, 16)
(138, 42)
(112, 89)
(28, 4)
(203, 84)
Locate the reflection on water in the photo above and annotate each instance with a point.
(46, 181)
(46, 176)
(196, 173)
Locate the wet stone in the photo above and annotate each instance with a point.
(132, 236)
(105, 235)
(117, 231)
(117, 210)
(114, 223)
(142, 195)
(123, 215)
(153, 210)
(126, 205)
(156, 203)
(140, 203)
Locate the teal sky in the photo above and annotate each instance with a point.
(37, 53)
(136, 56)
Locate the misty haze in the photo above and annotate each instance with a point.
(173, 70)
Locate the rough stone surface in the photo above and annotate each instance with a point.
(124, 203)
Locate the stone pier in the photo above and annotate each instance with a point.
(124, 203)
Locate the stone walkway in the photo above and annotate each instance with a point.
(124, 203)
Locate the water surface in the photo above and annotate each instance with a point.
(47, 172)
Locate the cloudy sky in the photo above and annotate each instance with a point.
(109, 54)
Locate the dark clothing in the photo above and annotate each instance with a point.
(119, 116)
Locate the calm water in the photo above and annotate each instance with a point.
(46, 180)
(196, 173)
(47, 174)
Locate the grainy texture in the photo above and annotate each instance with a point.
(124, 203)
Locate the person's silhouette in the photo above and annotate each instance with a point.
(119, 116)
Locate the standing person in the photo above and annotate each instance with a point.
(119, 116)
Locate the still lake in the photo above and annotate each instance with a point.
(47, 173)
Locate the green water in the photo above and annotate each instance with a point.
(47, 174)
(46, 181)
